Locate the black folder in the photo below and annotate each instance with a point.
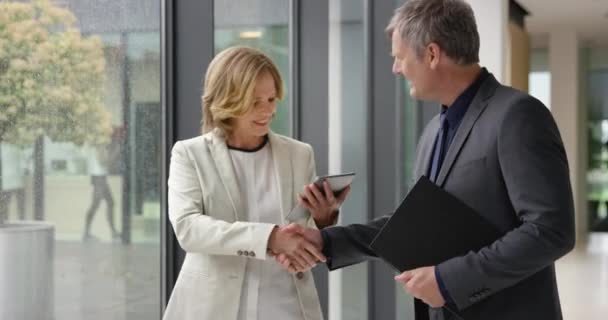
(431, 226)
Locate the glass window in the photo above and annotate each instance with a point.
(348, 131)
(539, 79)
(79, 160)
(262, 24)
(409, 129)
(596, 78)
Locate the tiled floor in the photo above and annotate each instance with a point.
(583, 280)
(113, 281)
(100, 281)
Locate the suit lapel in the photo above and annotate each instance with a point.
(284, 172)
(223, 163)
(475, 109)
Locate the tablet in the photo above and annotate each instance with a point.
(337, 182)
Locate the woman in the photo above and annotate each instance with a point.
(229, 192)
(98, 169)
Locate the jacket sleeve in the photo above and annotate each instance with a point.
(195, 230)
(348, 245)
(535, 171)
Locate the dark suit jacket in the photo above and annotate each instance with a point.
(508, 162)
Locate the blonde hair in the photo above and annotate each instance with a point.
(230, 83)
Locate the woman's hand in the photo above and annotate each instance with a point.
(288, 241)
(323, 205)
(313, 236)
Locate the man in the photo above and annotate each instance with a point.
(493, 147)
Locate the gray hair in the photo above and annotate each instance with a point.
(448, 23)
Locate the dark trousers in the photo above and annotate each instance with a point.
(101, 191)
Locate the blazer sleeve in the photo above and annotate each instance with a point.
(535, 171)
(348, 245)
(195, 230)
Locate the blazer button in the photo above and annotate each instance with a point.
(240, 252)
(245, 253)
(251, 254)
(300, 275)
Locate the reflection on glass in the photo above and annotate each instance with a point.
(79, 159)
(409, 138)
(596, 74)
(539, 78)
(262, 24)
(540, 86)
(348, 123)
(410, 126)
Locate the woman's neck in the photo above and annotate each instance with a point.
(246, 142)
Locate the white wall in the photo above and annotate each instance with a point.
(492, 18)
(570, 115)
(348, 287)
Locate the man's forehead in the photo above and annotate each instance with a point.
(397, 43)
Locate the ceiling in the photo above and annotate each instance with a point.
(589, 18)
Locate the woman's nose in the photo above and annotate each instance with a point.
(269, 107)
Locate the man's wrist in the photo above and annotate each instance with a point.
(442, 288)
(325, 244)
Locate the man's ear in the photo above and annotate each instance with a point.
(433, 55)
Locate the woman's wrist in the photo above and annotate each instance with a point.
(328, 220)
(272, 239)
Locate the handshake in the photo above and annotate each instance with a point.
(298, 248)
(295, 247)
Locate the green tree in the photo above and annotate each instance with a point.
(51, 77)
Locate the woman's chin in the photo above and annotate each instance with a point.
(261, 130)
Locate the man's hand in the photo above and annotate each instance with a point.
(288, 241)
(313, 236)
(322, 205)
(421, 283)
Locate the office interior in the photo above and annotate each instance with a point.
(140, 64)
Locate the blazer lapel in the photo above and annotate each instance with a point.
(284, 172)
(475, 109)
(223, 163)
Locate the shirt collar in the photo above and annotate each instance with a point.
(256, 149)
(455, 113)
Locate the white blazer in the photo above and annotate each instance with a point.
(206, 212)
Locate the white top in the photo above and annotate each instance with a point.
(269, 291)
(93, 164)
